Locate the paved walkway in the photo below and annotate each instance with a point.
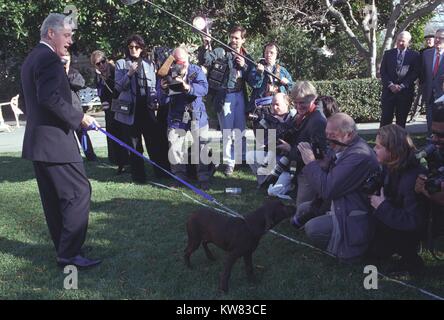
(12, 141)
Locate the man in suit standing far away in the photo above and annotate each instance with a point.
(50, 144)
(432, 75)
(399, 70)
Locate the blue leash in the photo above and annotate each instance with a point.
(123, 144)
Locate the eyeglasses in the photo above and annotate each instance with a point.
(134, 47)
(103, 61)
(302, 103)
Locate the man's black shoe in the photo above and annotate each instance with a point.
(78, 261)
(121, 169)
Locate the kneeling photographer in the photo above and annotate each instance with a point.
(274, 116)
(399, 212)
(431, 185)
(308, 126)
(344, 230)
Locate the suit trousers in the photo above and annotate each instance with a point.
(398, 104)
(65, 193)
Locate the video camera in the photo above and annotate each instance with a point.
(283, 164)
(169, 69)
(435, 163)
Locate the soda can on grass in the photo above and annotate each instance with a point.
(233, 190)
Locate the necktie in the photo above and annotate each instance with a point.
(436, 66)
(399, 62)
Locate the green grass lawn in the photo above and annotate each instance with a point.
(139, 232)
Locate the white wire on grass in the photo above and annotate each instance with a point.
(237, 215)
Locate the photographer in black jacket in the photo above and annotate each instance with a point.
(399, 212)
(309, 127)
(435, 161)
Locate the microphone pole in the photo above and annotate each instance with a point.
(130, 2)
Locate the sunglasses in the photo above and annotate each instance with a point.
(134, 47)
(103, 61)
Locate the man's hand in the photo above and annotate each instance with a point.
(185, 85)
(89, 121)
(132, 68)
(240, 61)
(306, 152)
(283, 146)
(284, 81)
(260, 68)
(376, 200)
(207, 42)
(164, 83)
(394, 88)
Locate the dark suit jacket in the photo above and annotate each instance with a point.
(431, 86)
(51, 118)
(388, 71)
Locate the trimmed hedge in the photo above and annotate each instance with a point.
(360, 98)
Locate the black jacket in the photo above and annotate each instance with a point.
(403, 208)
(51, 118)
(76, 82)
(311, 129)
(389, 75)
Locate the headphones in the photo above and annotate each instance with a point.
(270, 44)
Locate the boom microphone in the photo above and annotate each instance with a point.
(131, 2)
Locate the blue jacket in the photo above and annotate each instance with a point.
(126, 86)
(197, 79)
(256, 79)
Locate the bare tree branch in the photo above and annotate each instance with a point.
(419, 13)
(391, 26)
(350, 12)
(338, 15)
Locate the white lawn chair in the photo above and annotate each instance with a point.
(14, 105)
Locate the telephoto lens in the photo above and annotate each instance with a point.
(281, 166)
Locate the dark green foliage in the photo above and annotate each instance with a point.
(360, 98)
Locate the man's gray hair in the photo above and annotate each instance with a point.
(55, 21)
(405, 34)
(344, 123)
(439, 31)
(304, 90)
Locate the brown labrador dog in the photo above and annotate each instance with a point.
(238, 236)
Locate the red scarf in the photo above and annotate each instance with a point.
(301, 117)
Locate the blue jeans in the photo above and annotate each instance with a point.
(232, 116)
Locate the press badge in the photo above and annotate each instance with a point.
(186, 117)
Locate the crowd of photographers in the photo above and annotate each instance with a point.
(352, 200)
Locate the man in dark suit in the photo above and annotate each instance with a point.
(50, 143)
(432, 75)
(399, 70)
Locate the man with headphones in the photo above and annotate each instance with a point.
(264, 84)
